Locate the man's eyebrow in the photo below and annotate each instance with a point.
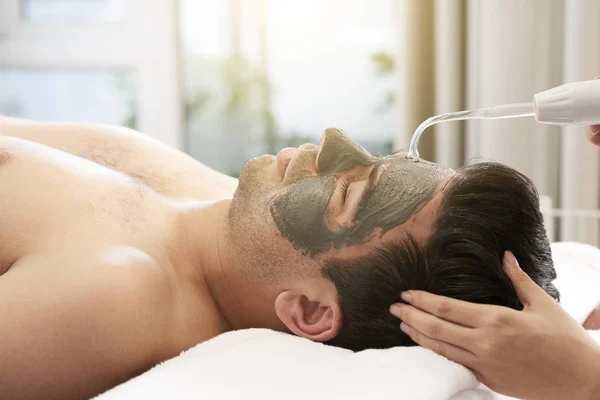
(370, 184)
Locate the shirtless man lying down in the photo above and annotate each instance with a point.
(118, 252)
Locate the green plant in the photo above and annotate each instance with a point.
(385, 66)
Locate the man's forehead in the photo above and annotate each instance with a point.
(398, 169)
(419, 227)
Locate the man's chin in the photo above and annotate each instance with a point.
(257, 171)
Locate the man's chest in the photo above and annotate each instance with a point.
(49, 198)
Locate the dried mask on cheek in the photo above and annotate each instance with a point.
(300, 214)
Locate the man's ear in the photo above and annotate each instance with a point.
(314, 314)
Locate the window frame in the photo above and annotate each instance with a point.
(143, 42)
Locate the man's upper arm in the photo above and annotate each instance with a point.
(118, 148)
(164, 169)
(70, 137)
(65, 336)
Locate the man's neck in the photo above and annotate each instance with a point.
(242, 303)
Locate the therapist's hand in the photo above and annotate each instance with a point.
(593, 134)
(537, 353)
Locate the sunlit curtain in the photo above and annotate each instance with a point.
(458, 54)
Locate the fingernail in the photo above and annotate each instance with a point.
(406, 296)
(396, 310)
(511, 260)
(405, 328)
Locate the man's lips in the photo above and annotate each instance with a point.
(283, 159)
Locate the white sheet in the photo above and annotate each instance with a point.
(578, 269)
(264, 364)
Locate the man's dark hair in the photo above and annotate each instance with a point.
(486, 209)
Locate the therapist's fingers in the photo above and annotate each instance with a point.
(527, 290)
(457, 311)
(433, 327)
(593, 320)
(593, 134)
(442, 348)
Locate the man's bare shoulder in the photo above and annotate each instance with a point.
(81, 329)
(115, 286)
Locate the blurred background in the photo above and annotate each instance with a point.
(227, 80)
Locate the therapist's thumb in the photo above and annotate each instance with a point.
(593, 132)
(526, 289)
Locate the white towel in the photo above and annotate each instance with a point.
(578, 269)
(263, 364)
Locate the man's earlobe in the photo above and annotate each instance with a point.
(316, 319)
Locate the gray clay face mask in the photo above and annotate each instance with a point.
(403, 187)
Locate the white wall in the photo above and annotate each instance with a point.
(511, 61)
(580, 174)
